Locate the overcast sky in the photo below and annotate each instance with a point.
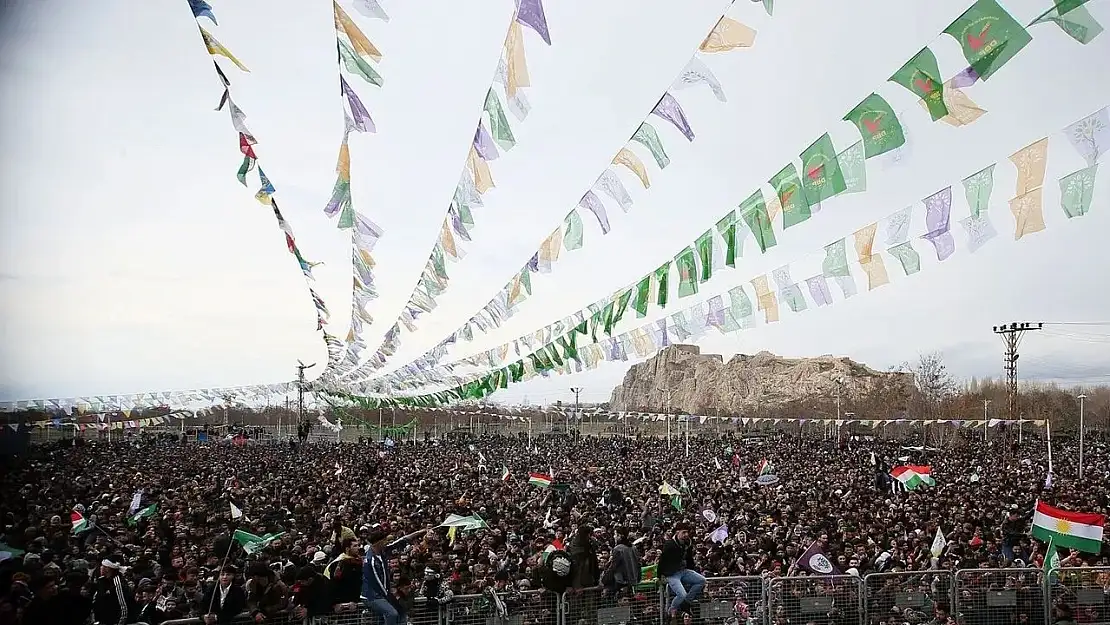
(133, 260)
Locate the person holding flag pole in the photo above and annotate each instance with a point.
(376, 593)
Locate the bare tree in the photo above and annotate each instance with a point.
(932, 382)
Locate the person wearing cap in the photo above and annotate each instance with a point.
(113, 602)
(677, 555)
(376, 578)
(265, 595)
(311, 594)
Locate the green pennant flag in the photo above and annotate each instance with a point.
(643, 296)
(142, 514)
(1077, 190)
(498, 122)
(910, 259)
(244, 169)
(726, 227)
(662, 278)
(617, 312)
(788, 188)
(704, 245)
(822, 177)
(754, 213)
(357, 65)
(989, 36)
(740, 303)
(253, 544)
(977, 189)
(921, 75)
(877, 124)
(676, 502)
(1078, 23)
(647, 136)
(572, 231)
(835, 263)
(853, 168)
(686, 264)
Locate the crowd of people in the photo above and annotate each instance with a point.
(157, 528)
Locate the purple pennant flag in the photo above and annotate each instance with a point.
(534, 262)
(591, 201)
(716, 316)
(664, 340)
(457, 224)
(669, 109)
(819, 290)
(359, 114)
(938, 207)
(484, 145)
(965, 78)
(530, 13)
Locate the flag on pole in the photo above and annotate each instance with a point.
(235, 511)
(1051, 559)
(910, 477)
(539, 479)
(253, 544)
(765, 467)
(142, 514)
(720, 534)
(816, 562)
(78, 522)
(939, 543)
(1077, 530)
(505, 474)
(136, 502)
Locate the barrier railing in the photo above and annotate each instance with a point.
(912, 596)
(1086, 590)
(967, 597)
(530, 607)
(640, 605)
(827, 599)
(1001, 597)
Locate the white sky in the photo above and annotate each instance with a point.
(134, 261)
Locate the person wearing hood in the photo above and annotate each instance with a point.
(376, 578)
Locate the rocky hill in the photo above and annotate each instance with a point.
(681, 378)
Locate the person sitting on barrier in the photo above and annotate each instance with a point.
(376, 578)
(677, 555)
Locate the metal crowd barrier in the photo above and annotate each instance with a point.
(909, 596)
(530, 607)
(968, 597)
(1002, 597)
(1086, 590)
(827, 599)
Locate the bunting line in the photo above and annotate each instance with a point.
(564, 355)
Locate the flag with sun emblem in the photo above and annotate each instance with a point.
(1078, 530)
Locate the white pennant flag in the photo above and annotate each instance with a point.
(939, 543)
(235, 511)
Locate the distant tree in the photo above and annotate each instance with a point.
(932, 382)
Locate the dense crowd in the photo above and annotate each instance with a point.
(360, 522)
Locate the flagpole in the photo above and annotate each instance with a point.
(230, 545)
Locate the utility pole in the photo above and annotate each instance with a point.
(300, 389)
(1011, 335)
(1081, 398)
(576, 390)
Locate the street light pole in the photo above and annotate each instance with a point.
(1081, 398)
(300, 389)
(576, 390)
(986, 402)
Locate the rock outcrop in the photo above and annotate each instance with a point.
(681, 378)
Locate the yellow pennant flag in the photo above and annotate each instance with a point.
(765, 299)
(366, 258)
(448, 241)
(1030, 162)
(629, 159)
(514, 292)
(217, 49)
(962, 110)
(359, 41)
(479, 169)
(343, 166)
(514, 61)
(1028, 213)
(871, 263)
(727, 35)
(549, 249)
